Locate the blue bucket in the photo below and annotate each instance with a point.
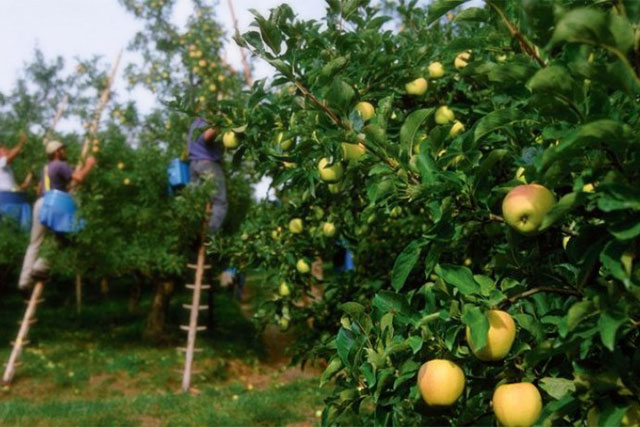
(178, 172)
(348, 261)
(16, 206)
(58, 212)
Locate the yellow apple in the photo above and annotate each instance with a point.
(329, 173)
(296, 226)
(302, 266)
(456, 129)
(352, 151)
(500, 337)
(444, 115)
(229, 139)
(366, 110)
(525, 206)
(202, 63)
(120, 165)
(441, 382)
(462, 60)
(213, 87)
(283, 290)
(126, 181)
(436, 70)
(517, 404)
(417, 87)
(328, 229)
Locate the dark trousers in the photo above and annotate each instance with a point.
(203, 169)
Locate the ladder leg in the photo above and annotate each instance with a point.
(22, 333)
(195, 304)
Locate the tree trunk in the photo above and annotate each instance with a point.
(134, 297)
(104, 286)
(155, 330)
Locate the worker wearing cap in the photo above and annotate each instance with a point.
(57, 175)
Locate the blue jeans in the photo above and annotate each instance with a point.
(200, 169)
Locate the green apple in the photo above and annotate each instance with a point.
(444, 115)
(295, 226)
(417, 87)
(436, 70)
(230, 140)
(525, 206)
(462, 60)
(284, 290)
(328, 229)
(331, 173)
(352, 151)
(318, 212)
(366, 110)
(285, 144)
(456, 129)
(302, 266)
(334, 188)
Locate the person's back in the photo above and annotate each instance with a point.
(200, 148)
(205, 155)
(7, 180)
(57, 175)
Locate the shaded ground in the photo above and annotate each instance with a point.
(94, 369)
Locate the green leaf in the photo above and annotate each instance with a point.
(557, 387)
(439, 7)
(582, 25)
(554, 79)
(577, 313)
(269, 31)
(387, 301)
(477, 321)
(475, 14)
(344, 344)
(340, 95)
(626, 229)
(353, 309)
(334, 66)
(411, 125)
(330, 371)
(566, 204)
(496, 120)
(613, 197)
(608, 326)
(458, 276)
(405, 262)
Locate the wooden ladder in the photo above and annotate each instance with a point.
(192, 328)
(21, 339)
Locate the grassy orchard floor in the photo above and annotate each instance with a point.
(94, 368)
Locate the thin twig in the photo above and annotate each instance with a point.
(548, 289)
(518, 35)
(495, 218)
(243, 56)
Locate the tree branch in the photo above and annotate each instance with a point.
(526, 47)
(537, 290)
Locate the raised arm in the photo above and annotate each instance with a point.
(81, 173)
(210, 134)
(13, 153)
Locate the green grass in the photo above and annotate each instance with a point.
(94, 368)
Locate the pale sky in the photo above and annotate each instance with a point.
(82, 28)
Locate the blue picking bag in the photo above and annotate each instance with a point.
(15, 205)
(58, 212)
(178, 172)
(348, 261)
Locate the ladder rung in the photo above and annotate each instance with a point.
(184, 350)
(23, 343)
(30, 321)
(195, 266)
(14, 364)
(37, 301)
(201, 307)
(202, 287)
(198, 328)
(193, 372)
